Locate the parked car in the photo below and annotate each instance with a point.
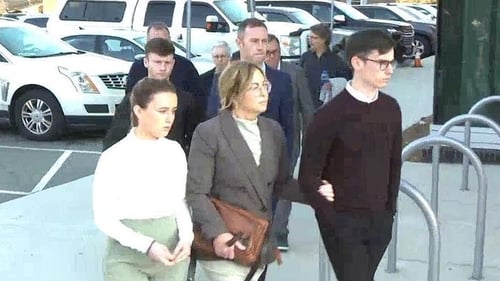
(126, 45)
(47, 86)
(347, 17)
(294, 15)
(211, 21)
(426, 9)
(419, 15)
(425, 32)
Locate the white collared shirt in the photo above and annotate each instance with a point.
(360, 96)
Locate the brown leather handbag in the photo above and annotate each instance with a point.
(248, 228)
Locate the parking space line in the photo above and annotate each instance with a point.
(49, 149)
(52, 171)
(2, 191)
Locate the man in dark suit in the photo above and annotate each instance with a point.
(221, 56)
(159, 62)
(303, 113)
(252, 42)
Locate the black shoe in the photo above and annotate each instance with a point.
(283, 242)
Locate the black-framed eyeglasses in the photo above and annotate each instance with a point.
(383, 64)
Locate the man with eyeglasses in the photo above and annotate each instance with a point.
(303, 111)
(352, 156)
(320, 58)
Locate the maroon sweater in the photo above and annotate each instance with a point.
(356, 147)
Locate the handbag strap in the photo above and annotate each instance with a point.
(252, 272)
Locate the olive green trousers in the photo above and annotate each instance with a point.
(126, 264)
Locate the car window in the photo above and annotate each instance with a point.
(119, 48)
(159, 11)
(40, 22)
(270, 16)
(84, 10)
(82, 42)
(30, 41)
(385, 14)
(236, 11)
(322, 14)
(199, 13)
(305, 18)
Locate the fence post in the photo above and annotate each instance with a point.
(432, 226)
(481, 205)
(467, 135)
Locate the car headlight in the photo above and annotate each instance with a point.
(290, 46)
(80, 80)
(391, 30)
(4, 89)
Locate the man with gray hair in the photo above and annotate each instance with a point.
(221, 54)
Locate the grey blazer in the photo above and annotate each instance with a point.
(221, 164)
(303, 104)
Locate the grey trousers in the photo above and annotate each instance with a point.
(126, 264)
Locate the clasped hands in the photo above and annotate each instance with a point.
(160, 253)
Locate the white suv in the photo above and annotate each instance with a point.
(47, 86)
(210, 20)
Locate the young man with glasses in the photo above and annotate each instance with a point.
(352, 156)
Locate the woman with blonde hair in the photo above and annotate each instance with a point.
(238, 157)
(139, 193)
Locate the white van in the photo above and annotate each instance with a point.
(138, 14)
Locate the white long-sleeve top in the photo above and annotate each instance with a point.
(140, 179)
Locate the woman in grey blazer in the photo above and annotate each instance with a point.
(238, 157)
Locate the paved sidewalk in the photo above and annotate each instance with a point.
(50, 236)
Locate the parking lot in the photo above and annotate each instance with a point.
(28, 167)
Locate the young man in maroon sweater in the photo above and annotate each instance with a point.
(352, 156)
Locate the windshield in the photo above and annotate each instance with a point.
(413, 14)
(142, 41)
(349, 11)
(305, 18)
(30, 42)
(236, 11)
(406, 15)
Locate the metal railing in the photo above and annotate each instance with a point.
(481, 205)
(325, 269)
(467, 134)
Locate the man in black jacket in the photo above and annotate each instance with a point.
(159, 62)
(353, 147)
(185, 78)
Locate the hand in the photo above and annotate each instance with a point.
(182, 251)
(326, 190)
(160, 253)
(224, 251)
(327, 86)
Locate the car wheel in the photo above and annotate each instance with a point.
(423, 46)
(38, 116)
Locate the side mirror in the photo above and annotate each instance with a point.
(339, 19)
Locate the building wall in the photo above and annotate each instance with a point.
(468, 59)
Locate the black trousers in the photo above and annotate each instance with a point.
(356, 243)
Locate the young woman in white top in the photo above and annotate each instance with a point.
(139, 193)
